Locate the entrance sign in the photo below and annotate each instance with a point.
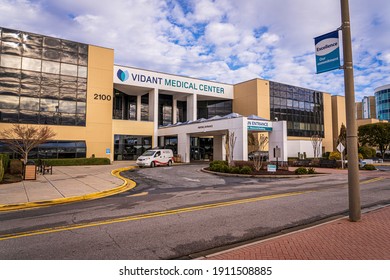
(255, 125)
(327, 52)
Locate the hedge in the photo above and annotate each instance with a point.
(5, 159)
(1, 171)
(77, 161)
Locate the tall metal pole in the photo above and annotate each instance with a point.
(352, 139)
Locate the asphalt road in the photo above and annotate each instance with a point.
(180, 212)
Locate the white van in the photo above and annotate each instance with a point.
(155, 157)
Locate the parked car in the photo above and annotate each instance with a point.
(155, 157)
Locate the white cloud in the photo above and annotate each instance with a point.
(226, 40)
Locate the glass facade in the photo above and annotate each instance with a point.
(53, 149)
(211, 108)
(130, 147)
(303, 109)
(125, 106)
(382, 99)
(165, 109)
(43, 80)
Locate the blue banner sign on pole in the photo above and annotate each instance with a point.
(327, 52)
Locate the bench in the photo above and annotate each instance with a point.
(46, 169)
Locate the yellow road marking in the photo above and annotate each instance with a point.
(372, 180)
(138, 194)
(147, 216)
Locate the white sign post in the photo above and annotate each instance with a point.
(341, 148)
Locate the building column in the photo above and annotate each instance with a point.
(153, 114)
(278, 138)
(192, 101)
(219, 151)
(139, 107)
(174, 109)
(183, 146)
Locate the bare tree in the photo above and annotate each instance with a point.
(229, 147)
(259, 143)
(316, 141)
(23, 138)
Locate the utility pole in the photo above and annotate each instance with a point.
(352, 139)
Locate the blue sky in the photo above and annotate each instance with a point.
(222, 40)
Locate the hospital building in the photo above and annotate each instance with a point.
(101, 109)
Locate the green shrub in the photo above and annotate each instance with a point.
(5, 159)
(335, 155)
(326, 155)
(218, 162)
(15, 166)
(234, 170)
(1, 171)
(77, 161)
(367, 152)
(311, 170)
(301, 171)
(246, 170)
(369, 167)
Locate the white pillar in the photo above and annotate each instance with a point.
(183, 146)
(278, 137)
(219, 152)
(192, 107)
(174, 113)
(139, 107)
(153, 113)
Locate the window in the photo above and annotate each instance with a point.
(49, 74)
(303, 109)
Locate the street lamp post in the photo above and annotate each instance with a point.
(352, 139)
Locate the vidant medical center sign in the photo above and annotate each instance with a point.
(138, 77)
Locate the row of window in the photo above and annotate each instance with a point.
(52, 149)
(45, 66)
(130, 147)
(301, 108)
(27, 41)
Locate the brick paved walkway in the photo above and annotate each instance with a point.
(368, 239)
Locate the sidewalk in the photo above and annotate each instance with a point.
(368, 239)
(66, 184)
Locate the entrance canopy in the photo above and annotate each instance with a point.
(219, 127)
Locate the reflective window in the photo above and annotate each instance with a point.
(32, 51)
(50, 92)
(9, 75)
(301, 108)
(82, 72)
(32, 39)
(11, 61)
(67, 107)
(28, 116)
(49, 74)
(49, 105)
(30, 90)
(51, 42)
(68, 94)
(12, 48)
(11, 35)
(9, 102)
(31, 64)
(50, 67)
(51, 54)
(69, 57)
(10, 116)
(68, 69)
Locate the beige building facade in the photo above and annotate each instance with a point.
(97, 108)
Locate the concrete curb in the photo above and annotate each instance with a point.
(127, 185)
(261, 176)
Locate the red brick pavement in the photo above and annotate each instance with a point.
(368, 239)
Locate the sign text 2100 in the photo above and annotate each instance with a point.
(99, 96)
